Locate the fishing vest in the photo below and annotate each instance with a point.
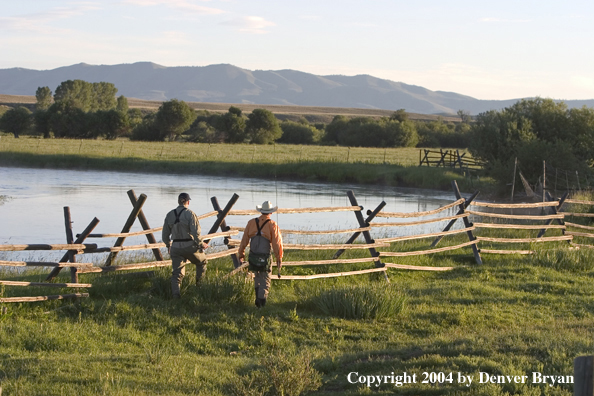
(259, 255)
(177, 224)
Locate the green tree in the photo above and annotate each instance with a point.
(399, 115)
(66, 121)
(122, 105)
(110, 124)
(335, 128)
(174, 117)
(44, 98)
(147, 130)
(262, 127)
(42, 123)
(75, 93)
(104, 96)
(134, 117)
(298, 133)
(16, 121)
(235, 110)
(232, 125)
(534, 130)
(401, 134)
(202, 132)
(87, 96)
(464, 116)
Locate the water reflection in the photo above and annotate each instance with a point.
(34, 212)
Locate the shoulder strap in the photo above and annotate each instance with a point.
(258, 225)
(177, 215)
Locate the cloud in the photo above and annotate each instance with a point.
(250, 24)
(182, 5)
(39, 22)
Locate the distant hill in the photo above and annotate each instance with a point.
(230, 84)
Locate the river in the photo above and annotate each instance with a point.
(32, 202)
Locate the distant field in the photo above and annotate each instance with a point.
(312, 113)
(391, 166)
(242, 153)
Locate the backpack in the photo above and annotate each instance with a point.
(259, 255)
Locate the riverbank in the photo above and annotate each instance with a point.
(391, 167)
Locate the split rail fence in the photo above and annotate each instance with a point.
(380, 249)
(448, 159)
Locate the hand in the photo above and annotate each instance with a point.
(204, 246)
(279, 265)
(169, 250)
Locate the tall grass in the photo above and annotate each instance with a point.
(279, 374)
(360, 302)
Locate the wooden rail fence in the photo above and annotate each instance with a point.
(364, 228)
(448, 159)
(380, 249)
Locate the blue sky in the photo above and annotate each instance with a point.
(489, 50)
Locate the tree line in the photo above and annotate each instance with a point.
(83, 110)
(532, 130)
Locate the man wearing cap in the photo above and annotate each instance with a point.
(181, 225)
(261, 234)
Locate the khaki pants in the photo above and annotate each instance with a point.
(180, 252)
(262, 284)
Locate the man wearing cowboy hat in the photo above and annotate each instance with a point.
(181, 224)
(262, 234)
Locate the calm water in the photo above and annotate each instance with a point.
(33, 210)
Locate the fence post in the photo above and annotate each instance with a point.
(222, 223)
(145, 225)
(555, 211)
(69, 240)
(366, 234)
(370, 216)
(583, 381)
(452, 222)
(467, 224)
(131, 218)
(79, 240)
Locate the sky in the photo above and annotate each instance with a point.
(498, 49)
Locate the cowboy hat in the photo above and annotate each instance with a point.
(266, 207)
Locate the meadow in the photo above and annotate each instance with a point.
(390, 166)
(513, 315)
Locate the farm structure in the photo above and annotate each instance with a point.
(523, 218)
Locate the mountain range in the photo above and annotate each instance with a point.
(226, 83)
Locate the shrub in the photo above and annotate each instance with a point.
(202, 132)
(262, 127)
(299, 133)
(147, 130)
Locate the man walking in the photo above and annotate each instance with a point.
(181, 225)
(262, 234)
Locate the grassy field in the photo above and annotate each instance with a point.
(513, 315)
(392, 166)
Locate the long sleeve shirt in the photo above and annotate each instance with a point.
(270, 231)
(187, 228)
